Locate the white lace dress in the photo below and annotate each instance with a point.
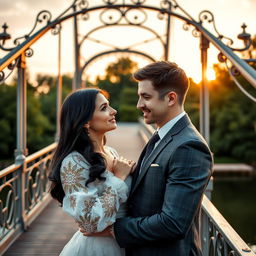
(94, 207)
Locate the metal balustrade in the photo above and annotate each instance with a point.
(23, 194)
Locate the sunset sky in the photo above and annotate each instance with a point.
(184, 48)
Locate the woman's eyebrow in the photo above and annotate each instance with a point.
(104, 104)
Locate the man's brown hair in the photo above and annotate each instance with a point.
(165, 77)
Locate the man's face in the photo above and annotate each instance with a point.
(154, 110)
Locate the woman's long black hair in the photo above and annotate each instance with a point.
(76, 111)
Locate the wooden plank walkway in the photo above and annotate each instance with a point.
(53, 228)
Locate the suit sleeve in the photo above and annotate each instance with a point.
(188, 174)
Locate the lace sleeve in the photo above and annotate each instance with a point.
(94, 206)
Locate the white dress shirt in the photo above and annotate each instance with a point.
(168, 126)
(165, 129)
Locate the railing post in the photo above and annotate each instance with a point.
(59, 89)
(166, 55)
(21, 140)
(204, 102)
(204, 227)
(76, 82)
(204, 95)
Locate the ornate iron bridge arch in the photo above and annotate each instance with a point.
(133, 13)
(88, 62)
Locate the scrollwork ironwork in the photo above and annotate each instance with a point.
(83, 4)
(11, 67)
(132, 16)
(107, 18)
(29, 52)
(208, 16)
(195, 33)
(221, 57)
(138, 2)
(160, 16)
(164, 4)
(235, 71)
(10, 209)
(8, 203)
(186, 26)
(85, 16)
(110, 2)
(138, 18)
(41, 16)
(2, 76)
(56, 29)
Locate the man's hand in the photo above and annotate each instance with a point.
(105, 232)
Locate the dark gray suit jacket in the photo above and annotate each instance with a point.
(164, 203)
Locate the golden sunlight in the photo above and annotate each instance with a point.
(210, 75)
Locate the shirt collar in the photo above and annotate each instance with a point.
(168, 126)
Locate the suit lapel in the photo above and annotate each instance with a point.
(181, 124)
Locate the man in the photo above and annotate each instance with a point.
(168, 182)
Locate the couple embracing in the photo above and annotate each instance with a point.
(148, 208)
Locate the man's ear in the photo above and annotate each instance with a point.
(172, 98)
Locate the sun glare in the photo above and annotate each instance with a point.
(210, 74)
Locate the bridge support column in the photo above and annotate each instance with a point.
(76, 83)
(59, 89)
(168, 32)
(21, 140)
(204, 104)
(204, 94)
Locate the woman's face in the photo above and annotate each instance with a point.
(103, 119)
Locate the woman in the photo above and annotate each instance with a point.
(87, 176)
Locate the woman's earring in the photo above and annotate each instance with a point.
(86, 126)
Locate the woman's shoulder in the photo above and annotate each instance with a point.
(75, 158)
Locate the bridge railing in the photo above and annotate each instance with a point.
(217, 235)
(23, 194)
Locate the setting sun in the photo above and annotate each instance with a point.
(210, 74)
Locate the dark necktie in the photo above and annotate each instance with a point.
(151, 144)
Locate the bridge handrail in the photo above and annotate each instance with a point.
(217, 235)
(23, 194)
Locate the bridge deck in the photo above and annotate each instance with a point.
(53, 228)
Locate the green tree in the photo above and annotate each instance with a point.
(41, 114)
(233, 119)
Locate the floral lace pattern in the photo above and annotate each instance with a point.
(108, 202)
(88, 204)
(72, 200)
(88, 224)
(93, 207)
(72, 178)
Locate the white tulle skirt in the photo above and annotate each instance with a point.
(80, 245)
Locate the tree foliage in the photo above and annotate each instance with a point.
(41, 115)
(118, 82)
(232, 114)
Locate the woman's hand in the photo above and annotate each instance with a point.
(122, 167)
